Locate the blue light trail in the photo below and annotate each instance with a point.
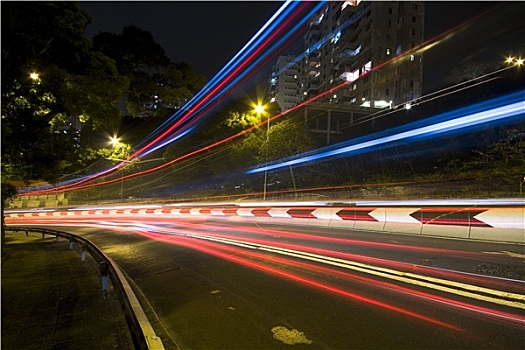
(197, 106)
(514, 105)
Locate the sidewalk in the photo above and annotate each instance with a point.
(53, 300)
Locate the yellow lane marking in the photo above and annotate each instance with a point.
(467, 290)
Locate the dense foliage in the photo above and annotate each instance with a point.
(62, 95)
(50, 77)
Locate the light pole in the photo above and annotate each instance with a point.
(132, 162)
(115, 141)
(259, 109)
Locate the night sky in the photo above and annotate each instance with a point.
(206, 34)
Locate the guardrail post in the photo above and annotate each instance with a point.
(83, 253)
(70, 244)
(56, 238)
(104, 276)
(27, 233)
(43, 235)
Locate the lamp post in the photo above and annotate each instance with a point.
(259, 109)
(115, 141)
(133, 162)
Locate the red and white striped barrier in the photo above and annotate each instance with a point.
(505, 224)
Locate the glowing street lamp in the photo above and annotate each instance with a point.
(115, 141)
(34, 76)
(259, 109)
(514, 61)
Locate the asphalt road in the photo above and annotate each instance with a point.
(218, 285)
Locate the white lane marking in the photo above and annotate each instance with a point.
(467, 290)
(511, 254)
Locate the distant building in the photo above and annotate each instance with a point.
(285, 82)
(348, 41)
(364, 45)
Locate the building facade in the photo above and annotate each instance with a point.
(368, 48)
(285, 82)
(361, 57)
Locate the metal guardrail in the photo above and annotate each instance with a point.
(142, 332)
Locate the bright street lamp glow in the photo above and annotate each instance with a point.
(114, 141)
(34, 76)
(515, 61)
(259, 109)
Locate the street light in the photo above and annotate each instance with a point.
(515, 61)
(259, 109)
(131, 162)
(115, 141)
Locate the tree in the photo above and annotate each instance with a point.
(51, 76)
(285, 139)
(502, 162)
(156, 85)
(470, 70)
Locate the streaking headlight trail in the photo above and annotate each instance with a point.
(488, 116)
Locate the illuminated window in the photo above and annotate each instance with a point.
(412, 57)
(367, 67)
(388, 52)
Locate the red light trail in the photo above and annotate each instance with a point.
(77, 185)
(279, 252)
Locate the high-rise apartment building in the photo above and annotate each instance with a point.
(364, 45)
(358, 55)
(285, 82)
